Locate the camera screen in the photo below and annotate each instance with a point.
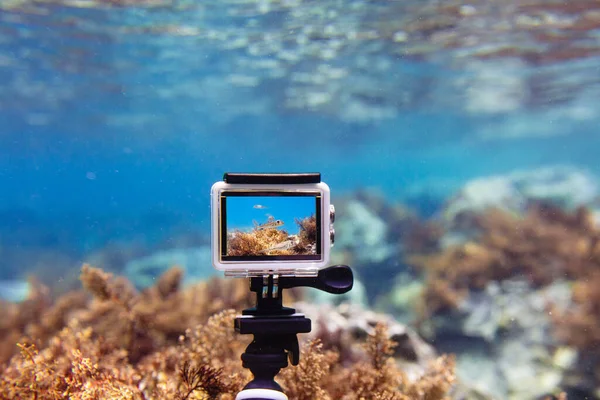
(270, 226)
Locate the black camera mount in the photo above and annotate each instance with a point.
(275, 327)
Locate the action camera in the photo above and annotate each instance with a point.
(271, 224)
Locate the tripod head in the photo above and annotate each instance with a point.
(275, 327)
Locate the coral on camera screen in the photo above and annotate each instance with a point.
(270, 226)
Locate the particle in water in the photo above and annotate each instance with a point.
(400, 36)
(467, 10)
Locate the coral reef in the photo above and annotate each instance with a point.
(166, 342)
(515, 269)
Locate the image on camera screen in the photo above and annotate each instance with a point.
(275, 226)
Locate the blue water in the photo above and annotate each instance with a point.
(247, 213)
(115, 122)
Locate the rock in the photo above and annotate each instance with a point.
(506, 330)
(196, 263)
(564, 186)
(370, 238)
(403, 299)
(479, 194)
(350, 320)
(14, 290)
(363, 232)
(477, 370)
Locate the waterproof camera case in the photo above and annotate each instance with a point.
(271, 224)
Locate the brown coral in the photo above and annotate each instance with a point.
(255, 242)
(379, 377)
(37, 318)
(308, 233)
(74, 365)
(143, 322)
(204, 379)
(140, 322)
(306, 381)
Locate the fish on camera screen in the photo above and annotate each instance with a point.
(270, 226)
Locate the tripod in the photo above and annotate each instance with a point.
(275, 328)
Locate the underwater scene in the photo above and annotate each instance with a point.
(460, 141)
